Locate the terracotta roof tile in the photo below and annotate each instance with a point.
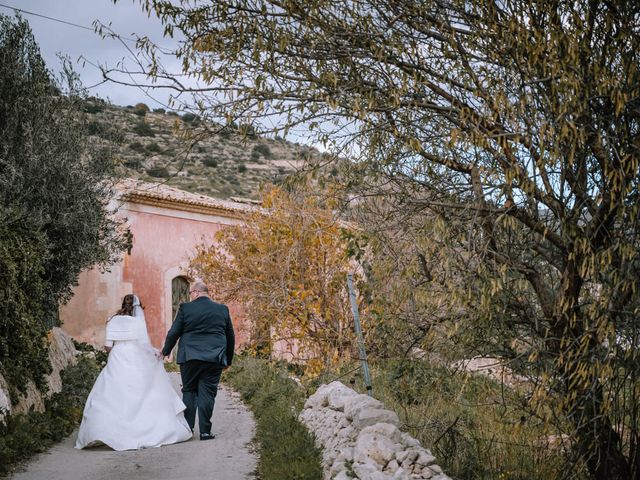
(132, 190)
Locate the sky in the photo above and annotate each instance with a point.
(86, 49)
(126, 18)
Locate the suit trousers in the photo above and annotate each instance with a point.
(199, 389)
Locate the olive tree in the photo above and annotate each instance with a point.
(54, 190)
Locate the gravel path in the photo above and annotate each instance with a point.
(228, 457)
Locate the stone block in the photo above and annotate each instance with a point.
(370, 416)
(374, 447)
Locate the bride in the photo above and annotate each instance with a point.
(132, 404)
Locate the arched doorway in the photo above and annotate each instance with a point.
(179, 293)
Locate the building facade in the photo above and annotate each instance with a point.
(164, 227)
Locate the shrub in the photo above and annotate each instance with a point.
(242, 168)
(210, 162)
(262, 149)
(133, 164)
(172, 113)
(158, 172)
(189, 117)
(92, 108)
(24, 435)
(136, 146)
(143, 129)
(94, 128)
(54, 186)
(140, 112)
(287, 451)
(159, 110)
(142, 106)
(153, 147)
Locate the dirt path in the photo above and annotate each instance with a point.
(228, 457)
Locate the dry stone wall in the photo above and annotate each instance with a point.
(360, 439)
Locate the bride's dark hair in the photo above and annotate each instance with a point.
(127, 306)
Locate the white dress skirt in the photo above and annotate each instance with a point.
(132, 404)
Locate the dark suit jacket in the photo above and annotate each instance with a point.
(205, 332)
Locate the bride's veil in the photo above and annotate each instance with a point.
(138, 313)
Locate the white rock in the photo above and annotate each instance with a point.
(342, 476)
(426, 473)
(376, 447)
(368, 471)
(370, 416)
(345, 453)
(356, 403)
(336, 468)
(425, 458)
(392, 466)
(409, 441)
(338, 397)
(387, 429)
(401, 474)
(410, 458)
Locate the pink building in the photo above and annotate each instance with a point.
(165, 225)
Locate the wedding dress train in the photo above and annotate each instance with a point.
(132, 404)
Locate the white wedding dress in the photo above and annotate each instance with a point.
(132, 404)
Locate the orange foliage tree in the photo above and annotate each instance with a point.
(287, 266)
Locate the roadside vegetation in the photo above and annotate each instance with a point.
(24, 435)
(286, 448)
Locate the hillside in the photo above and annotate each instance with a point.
(189, 154)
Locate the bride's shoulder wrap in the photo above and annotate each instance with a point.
(124, 327)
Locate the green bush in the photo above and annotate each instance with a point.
(54, 186)
(24, 435)
(136, 147)
(262, 149)
(210, 162)
(139, 112)
(159, 110)
(189, 117)
(287, 451)
(133, 163)
(94, 128)
(92, 108)
(153, 147)
(242, 168)
(143, 129)
(158, 172)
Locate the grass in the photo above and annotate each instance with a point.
(24, 435)
(287, 451)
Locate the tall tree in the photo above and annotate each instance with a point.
(520, 117)
(54, 189)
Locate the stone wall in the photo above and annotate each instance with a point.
(360, 439)
(62, 353)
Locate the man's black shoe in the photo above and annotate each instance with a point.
(207, 436)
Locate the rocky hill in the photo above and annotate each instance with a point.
(190, 154)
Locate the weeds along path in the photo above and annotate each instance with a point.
(228, 457)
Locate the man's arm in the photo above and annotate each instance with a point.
(174, 333)
(231, 339)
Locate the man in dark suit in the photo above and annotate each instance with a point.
(205, 350)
